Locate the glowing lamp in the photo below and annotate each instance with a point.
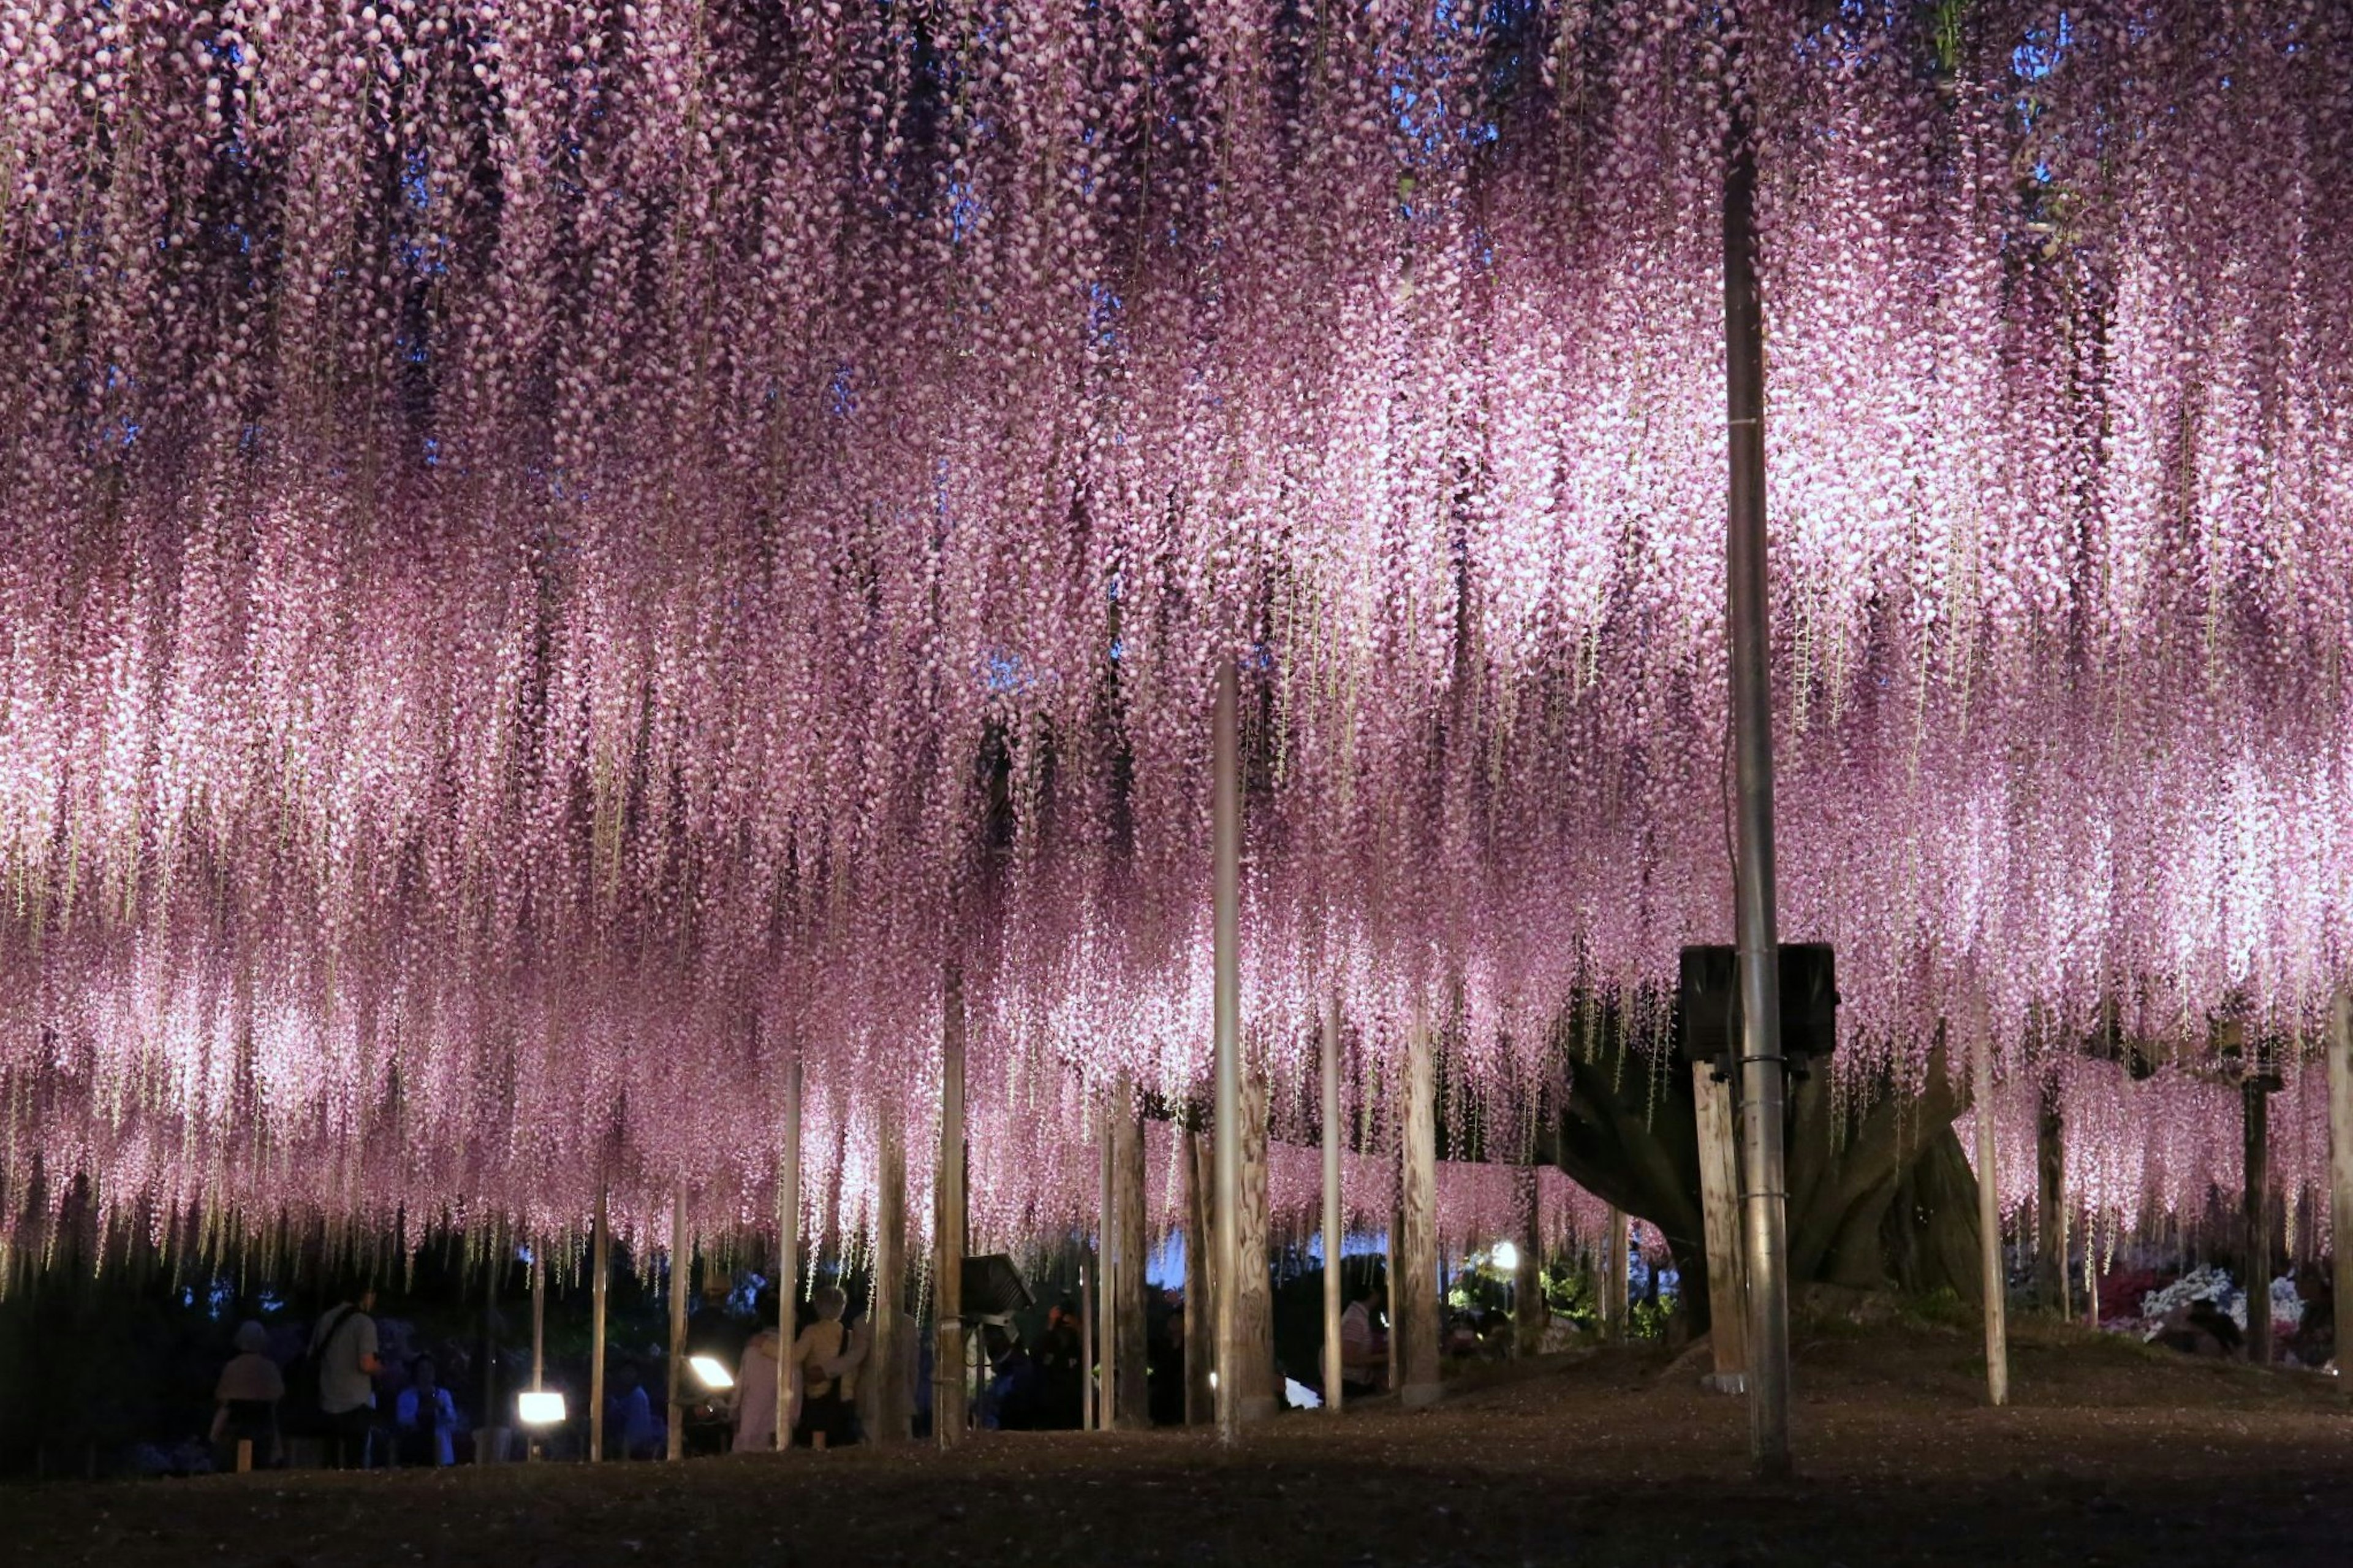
(1505, 1256)
(539, 1408)
(709, 1373)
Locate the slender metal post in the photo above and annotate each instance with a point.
(1334, 1376)
(600, 1249)
(788, 1250)
(1226, 926)
(682, 1264)
(948, 1227)
(1764, 1201)
(538, 1315)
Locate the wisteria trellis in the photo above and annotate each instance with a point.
(555, 555)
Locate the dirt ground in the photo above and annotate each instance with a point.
(2111, 1454)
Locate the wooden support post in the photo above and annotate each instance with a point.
(1992, 1287)
(1415, 1291)
(538, 1315)
(948, 1240)
(2052, 1278)
(882, 1381)
(1389, 1266)
(600, 1271)
(2340, 1168)
(1107, 1273)
(1132, 1345)
(2256, 1219)
(1617, 1284)
(1530, 1313)
(493, 1265)
(788, 1250)
(1333, 1235)
(1225, 1016)
(1200, 1309)
(1719, 1188)
(1089, 1388)
(682, 1267)
(1258, 1396)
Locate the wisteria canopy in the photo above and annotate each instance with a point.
(555, 557)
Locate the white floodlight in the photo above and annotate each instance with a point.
(713, 1375)
(535, 1407)
(1505, 1256)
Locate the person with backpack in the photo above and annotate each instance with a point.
(343, 1360)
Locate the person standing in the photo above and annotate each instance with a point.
(1061, 1369)
(245, 1401)
(343, 1348)
(427, 1418)
(1364, 1342)
(824, 1357)
(756, 1383)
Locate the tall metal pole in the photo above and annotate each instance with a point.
(600, 1250)
(538, 1315)
(1334, 1376)
(1225, 924)
(788, 1250)
(1764, 1202)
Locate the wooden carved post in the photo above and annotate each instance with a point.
(2051, 1276)
(1333, 1238)
(948, 1240)
(1415, 1290)
(682, 1264)
(1719, 1189)
(600, 1249)
(788, 1250)
(2341, 1167)
(1131, 1349)
(1200, 1310)
(1258, 1396)
(1991, 1284)
(882, 1382)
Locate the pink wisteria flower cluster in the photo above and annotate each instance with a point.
(557, 557)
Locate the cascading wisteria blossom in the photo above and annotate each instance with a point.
(558, 556)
